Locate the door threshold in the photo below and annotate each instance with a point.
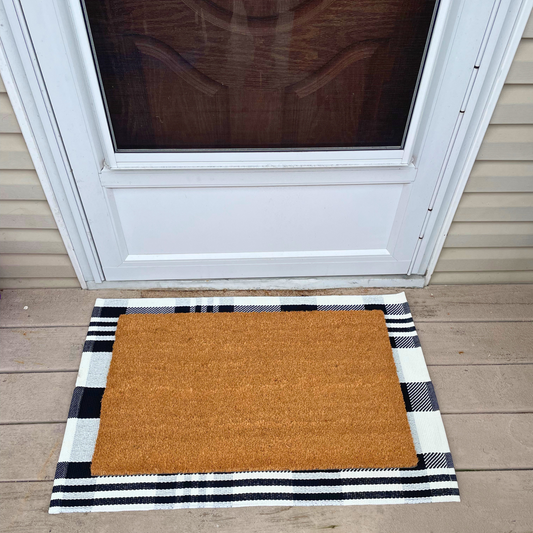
(319, 283)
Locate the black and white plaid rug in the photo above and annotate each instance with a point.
(433, 480)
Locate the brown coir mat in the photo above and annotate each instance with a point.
(232, 392)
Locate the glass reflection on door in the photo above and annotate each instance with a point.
(259, 74)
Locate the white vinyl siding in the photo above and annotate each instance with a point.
(32, 253)
(491, 237)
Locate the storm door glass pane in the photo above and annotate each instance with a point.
(259, 74)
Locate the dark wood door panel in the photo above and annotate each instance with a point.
(259, 74)
(324, 109)
(184, 105)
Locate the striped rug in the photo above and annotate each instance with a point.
(432, 480)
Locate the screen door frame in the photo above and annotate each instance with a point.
(268, 158)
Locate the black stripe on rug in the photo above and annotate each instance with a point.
(179, 485)
(267, 496)
(86, 402)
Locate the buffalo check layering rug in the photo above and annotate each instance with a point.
(229, 402)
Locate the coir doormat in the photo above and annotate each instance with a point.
(431, 480)
(240, 392)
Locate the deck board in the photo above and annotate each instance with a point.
(41, 349)
(29, 452)
(476, 343)
(42, 397)
(476, 303)
(57, 307)
(484, 389)
(45, 397)
(33, 349)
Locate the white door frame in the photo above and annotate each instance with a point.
(38, 125)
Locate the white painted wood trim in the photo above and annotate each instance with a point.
(477, 138)
(33, 149)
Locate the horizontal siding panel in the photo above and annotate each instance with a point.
(528, 31)
(35, 266)
(20, 185)
(39, 283)
(30, 214)
(501, 176)
(478, 278)
(489, 235)
(31, 241)
(8, 120)
(507, 142)
(515, 105)
(495, 207)
(521, 70)
(485, 259)
(13, 152)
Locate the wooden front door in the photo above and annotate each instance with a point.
(263, 74)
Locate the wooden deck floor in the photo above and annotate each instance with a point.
(478, 343)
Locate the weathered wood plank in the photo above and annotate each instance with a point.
(27, 349)
(484, 389)
(72, 307)
(39, 349)
(490, 442)
(61, 307)
(492, 502)
(469, 278)
(36, 397)
(29, 452)
(476, 343)
(436, 304)
(475, 303)
(45, 397)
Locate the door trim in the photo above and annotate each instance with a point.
(489, 93)
(41, 134)
(35, 110)
(38, 162)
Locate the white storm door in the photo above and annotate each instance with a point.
(258, 139)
